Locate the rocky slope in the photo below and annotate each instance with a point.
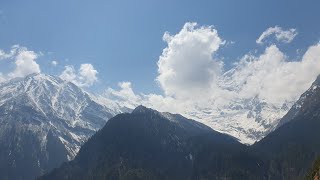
(293, 146)
(43, 122)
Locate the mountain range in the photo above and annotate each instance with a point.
(147, 144)
(45, 121)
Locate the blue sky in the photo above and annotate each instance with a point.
(123, 39)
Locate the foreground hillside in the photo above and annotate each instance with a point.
(314, 173)
(147, 144)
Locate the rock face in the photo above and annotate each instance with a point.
(43, 122)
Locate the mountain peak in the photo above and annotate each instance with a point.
(141, 109)
(37, 76)
(55, 117)
(35, 79)
(44, 77)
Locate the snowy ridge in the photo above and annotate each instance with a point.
(60, 107)
(248, 120)
(73, 115)
(311, 93)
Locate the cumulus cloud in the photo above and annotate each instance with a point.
(86, 75)
(196, 85)
(69, 74)
(285, 36)
(54, 63)
(187, 64)
(191, 76)
(25, 62)
(23, 59)
(124, 95)
(273, 77)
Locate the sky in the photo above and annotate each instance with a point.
(166, 51)
(123, 40)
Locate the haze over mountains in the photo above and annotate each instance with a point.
(147, 144)
(129, 90)
(246, 99)
(45, 120)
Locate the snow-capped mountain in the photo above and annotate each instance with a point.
(153, 145)
(43, 122)
(246, 116)
(249, 120)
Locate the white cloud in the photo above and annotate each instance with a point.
(285, 36)
(2, 78)
(229, 43)
(2, 54)
(69, 74)
(24, 61)
(13, 51)
(274, 78)
(260, 85)
(124, 95)
(196, 85)
(88, 74)
(85, 77)
(187, 70)
(187, 65)
(54, 63)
